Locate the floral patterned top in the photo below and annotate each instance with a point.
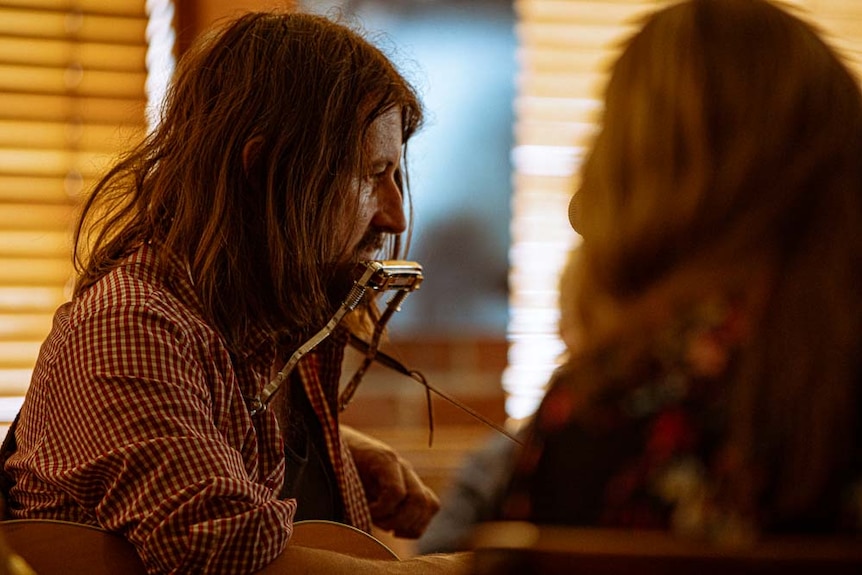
(639, 440)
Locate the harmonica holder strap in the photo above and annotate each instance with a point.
(395, 365)
(370, 353)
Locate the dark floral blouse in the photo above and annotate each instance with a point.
(644, 448)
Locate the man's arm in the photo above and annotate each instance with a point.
(155, 450)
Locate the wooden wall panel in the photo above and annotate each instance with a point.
(195, 16)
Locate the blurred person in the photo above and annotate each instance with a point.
(206, 256)
(715, 387)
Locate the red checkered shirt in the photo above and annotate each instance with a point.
(135, 421)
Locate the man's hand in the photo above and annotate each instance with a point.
(399, 501)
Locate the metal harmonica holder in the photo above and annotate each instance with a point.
(400, 276)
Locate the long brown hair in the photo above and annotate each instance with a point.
(729, 159)
(257, 237)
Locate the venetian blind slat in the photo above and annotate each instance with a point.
(58, 162)
(61, 107)
(115, 7)
(50, 243)
(92, 137)
(25, 299)
(39, 189)
(74, 25)
(43, 52)
(75, 78)
(36, 216)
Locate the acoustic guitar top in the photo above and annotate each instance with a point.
(63, 548)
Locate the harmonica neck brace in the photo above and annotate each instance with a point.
(402, 277)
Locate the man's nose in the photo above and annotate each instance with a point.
(390, 216)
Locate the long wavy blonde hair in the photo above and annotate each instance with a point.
(729, 163)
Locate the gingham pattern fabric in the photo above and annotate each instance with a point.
(135, 421)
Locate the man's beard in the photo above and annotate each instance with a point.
(344, 273)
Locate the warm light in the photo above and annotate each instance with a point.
(564, 50)
(9, 407)
(75, 80)
(545, 160)
(160, 55)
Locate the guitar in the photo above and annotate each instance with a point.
(62, 548)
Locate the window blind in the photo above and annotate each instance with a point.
(73, 91)
(564, 50)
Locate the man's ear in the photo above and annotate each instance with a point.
(250, 154)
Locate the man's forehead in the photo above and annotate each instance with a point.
(384, 135)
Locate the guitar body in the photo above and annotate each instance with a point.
(340, 538)
(56, 547)
(62, 548)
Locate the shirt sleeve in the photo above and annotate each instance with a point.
(135, 416)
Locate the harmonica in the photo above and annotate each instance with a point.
(385, 275)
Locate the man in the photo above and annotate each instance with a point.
(206, 257)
